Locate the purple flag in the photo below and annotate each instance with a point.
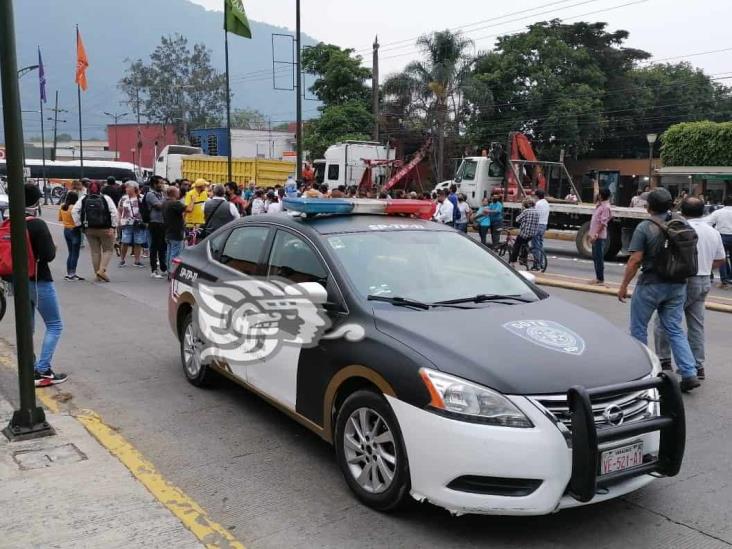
(41, 77)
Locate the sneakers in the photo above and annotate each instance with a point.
(77, 277)
(69, 278)
(138, 264)
(122, 263)
(73, 278)
(689, 383)
(700, 372)
(46, 379)
(156, 274)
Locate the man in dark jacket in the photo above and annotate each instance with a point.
(113, 190)
(42, 290)
(218, 211)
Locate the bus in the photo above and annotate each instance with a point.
(60, 174)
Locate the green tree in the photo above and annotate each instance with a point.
(549, 82)
(176, 87)
(341, 86)
(248, 119)
(703, 143)
(429, 94)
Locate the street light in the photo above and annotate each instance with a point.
(651, 137)
(116, 117)
(25, 70)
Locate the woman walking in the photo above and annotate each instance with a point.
(72, 235)
(97, 216)
(133, 229)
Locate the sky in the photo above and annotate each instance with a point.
(672, 30)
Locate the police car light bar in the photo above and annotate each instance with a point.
(313, 206)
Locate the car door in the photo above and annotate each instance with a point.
(292, 260)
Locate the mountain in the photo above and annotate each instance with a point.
(114, 31)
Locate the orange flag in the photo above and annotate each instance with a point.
(81, 62)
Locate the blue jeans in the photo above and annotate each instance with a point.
(44, 299)
(668, 299)
(174, 249)
(598, 256)
(725, 272)
(73, 243)
(537, 243)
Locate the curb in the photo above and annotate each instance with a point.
(603, 290)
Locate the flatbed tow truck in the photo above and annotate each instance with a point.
(517, 174)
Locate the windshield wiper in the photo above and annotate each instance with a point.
(483, 298)
(400, 301)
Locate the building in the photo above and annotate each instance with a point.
(245, 143)
(714, 182)
(94, 149)
(139, 147)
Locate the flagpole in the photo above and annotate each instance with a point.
(81, 139)
(228, 97)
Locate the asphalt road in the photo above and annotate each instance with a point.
(275, 484)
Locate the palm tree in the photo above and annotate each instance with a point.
(431, 91)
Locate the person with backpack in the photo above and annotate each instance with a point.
(154, 201)
(72, 235)
(711, 255)
(664, 249)
(96, 215)
(42, 290)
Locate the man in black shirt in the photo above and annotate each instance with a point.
(173, 212)
(42, 290)
(113, 190)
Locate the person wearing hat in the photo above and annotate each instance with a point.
(653, 293)
(195, 201)
(42, 290)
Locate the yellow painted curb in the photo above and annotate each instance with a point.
(193, 517)
(553, 282)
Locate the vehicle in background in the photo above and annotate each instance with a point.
(518, 175)
(61, 174)
(344, 163)
(169, 163)
(266, 173)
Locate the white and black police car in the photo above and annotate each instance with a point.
(436, 371)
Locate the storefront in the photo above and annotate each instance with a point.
(713, 182)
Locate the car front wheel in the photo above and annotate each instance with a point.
(370, 451)
(197, 373)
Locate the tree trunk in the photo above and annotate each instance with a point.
(442, 111)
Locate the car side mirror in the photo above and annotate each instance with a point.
(528, 276)
(314, 290)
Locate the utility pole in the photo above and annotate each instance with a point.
(298, 94)
(375, 88)
(29, 420)
(116, 117)
(55, 119)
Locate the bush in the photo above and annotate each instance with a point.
(697, 144)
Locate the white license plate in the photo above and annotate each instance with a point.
(620, 459)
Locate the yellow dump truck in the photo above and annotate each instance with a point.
(267, 173)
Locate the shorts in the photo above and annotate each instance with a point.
(134, 235)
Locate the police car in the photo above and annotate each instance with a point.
(434, 369)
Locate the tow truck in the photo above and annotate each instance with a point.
(514, 172)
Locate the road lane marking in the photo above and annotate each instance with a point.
(211, 534)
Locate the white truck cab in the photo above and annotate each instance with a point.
(476, 177)
(169, 163)
(344, 162)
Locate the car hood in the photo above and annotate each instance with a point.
(533, 348)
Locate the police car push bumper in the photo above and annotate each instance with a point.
(470, 467)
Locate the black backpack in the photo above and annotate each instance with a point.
(95, 212)
(677, 259)
(144, 208)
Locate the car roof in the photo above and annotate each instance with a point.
(347, 223)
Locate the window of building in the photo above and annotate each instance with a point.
(213, 145)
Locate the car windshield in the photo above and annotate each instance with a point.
(424, 266)
(466, 172)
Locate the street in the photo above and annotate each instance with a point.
(273, 483)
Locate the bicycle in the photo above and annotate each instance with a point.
(526, 257)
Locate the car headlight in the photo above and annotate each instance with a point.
(455, 397)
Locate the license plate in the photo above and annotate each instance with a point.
(620, 459)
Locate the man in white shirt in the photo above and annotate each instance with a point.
(444, 213)
(722, 220)
(710, 255)
(542, 207)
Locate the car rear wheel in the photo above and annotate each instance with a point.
(370, 451)
(197, 373)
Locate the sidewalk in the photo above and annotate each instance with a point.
(69, 491)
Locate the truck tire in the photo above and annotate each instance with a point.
(584, 246)
(614, 242)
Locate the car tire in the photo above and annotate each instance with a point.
(355, 454)
(196, 372)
